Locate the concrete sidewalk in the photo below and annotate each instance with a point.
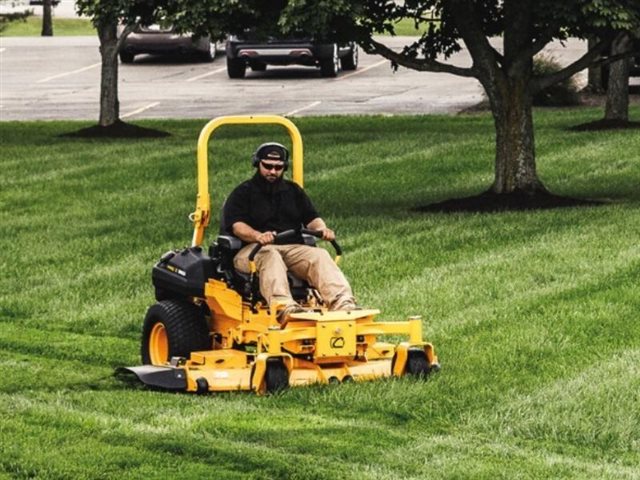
(61, 41)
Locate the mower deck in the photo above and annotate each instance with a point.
(325, 347)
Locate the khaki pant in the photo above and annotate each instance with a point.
(312, 264)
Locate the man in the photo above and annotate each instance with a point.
(267, 204)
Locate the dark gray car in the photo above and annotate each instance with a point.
(257, 54)
(155, 39)
(635, 61)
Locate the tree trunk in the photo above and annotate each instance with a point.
(515, 167)
(617, 107)
(109, 104)
(47, 20)
(596, 81)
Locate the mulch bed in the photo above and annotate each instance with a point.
(117, 130)
(489, 202)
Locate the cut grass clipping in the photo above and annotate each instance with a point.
(534, 314)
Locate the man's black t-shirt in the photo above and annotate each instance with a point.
(269, 207)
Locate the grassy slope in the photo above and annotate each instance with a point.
(61, 27)
(82, 26)
(534, 315)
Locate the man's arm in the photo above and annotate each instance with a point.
(247, 234)
(318, 224)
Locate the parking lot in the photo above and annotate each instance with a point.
(59, 78)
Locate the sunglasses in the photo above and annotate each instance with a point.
(271, 166)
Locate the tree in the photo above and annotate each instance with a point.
(106, 15)
(612, 79)
(617, 104)
(526, 27)
(47, 18)
(522, 28)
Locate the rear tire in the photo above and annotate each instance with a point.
(126, 57)
(210, 54)
(350, 62)
(173, 328)
(277, 376)
(329, 67)
(236, 67)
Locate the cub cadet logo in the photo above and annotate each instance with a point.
(337, 342)
(173, 269)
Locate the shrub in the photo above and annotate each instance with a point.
(561, 94)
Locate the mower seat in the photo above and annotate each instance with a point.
(225, 249)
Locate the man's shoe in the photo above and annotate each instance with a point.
(348, 307)
(285, 313)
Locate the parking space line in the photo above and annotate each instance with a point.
(306, 107)
(140, 110)
(362, 70)
(59, 75)
(208, 74)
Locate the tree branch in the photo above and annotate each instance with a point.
(583, 62)
(536, 47)
(419, 64)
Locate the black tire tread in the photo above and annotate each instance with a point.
(276, 376)
(348, 62)
(186, 327)
(126, 57)
(236, 67)
(417, 363)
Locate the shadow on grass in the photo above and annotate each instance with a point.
(605, 124)
(490, 202)
(119, 129)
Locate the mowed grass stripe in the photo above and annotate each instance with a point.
(193, 443)
(604, 415)
(517, 304)
(96, 349)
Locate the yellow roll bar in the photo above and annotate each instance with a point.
(202, 215)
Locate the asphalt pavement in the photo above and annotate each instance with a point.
(45, 78)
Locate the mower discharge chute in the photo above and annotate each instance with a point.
(211, 331)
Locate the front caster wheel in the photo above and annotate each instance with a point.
(277, 376)
(417, 363)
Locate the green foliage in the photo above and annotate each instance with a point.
(107, 12)
(561, 94)
(533, 314)
(8, 19)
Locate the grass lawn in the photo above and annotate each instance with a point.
(61, 27)
(82, 26)
(534, 315)
(407, 27)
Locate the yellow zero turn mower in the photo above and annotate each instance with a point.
(211, 331)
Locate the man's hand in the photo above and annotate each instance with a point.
(318, 224)
(328, 235)
(265, 238)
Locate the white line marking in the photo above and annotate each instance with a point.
(306, 107)
(362, 70)
(208, 74)
(69, 73)
(140, 110)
